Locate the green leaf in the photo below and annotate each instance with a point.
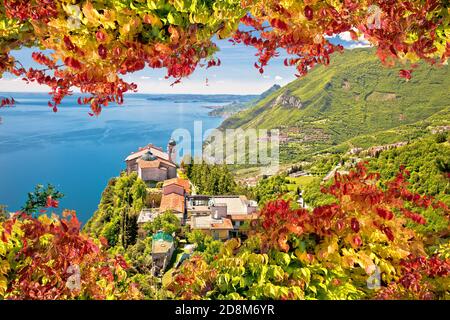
(313, 289)
(170, 18)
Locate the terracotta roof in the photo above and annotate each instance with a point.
(168, 162)
(172, 201)
(149, 164)
(226, 224)
(240, 217)
(208, 223)
(155, 163)
(158, 152)
(178, 181)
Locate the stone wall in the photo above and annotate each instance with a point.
(153, 174)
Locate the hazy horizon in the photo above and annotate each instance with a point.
(237, 74)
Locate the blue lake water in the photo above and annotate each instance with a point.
(78, 153)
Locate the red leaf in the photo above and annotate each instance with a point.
(73, 63)
(353, 35)
(309, 14)
(405, 74)
(102, 52)
(357, 241)
(69, 45)
(277, 23)
(354, 223)
(385, 214)
(388, 232)
(121, 262)
(100, 36)
(64, 225)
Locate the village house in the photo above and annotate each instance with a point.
(220, 216)
(162, 250)
(146, 215)
(355, 151)
(173, 199)
(152, 164)
(176, 185)
(213, 225)
(376, 150)
(298, 174)
(249, 182)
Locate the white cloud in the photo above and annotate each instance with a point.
(345, 36)
(16, 85)
(145, 77)
(278, 78)
(359, 45)
(236, 86)
(266, 76)
(361, 42)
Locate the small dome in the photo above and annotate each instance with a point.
(172, 142)
(148, 156)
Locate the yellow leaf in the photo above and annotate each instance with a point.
(4, 266)
(3, 285)
(411, 56)
(153, 20)
(91, 15)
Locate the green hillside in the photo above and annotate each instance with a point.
(428, 161)
(355, 101)
(234, 107)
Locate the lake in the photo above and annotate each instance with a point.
(78, 153)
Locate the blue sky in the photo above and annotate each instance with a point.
(236, 75)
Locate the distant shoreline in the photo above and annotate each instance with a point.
(141, 94)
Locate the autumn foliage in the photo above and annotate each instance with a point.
(333, 251)
(363, 246)
(90, 45)
(48, 258)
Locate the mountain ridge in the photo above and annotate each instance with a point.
(354, 96)
(236, 106)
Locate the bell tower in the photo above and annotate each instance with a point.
(171, 150)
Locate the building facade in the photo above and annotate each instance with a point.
(220, 216)
(163, 247)
(152, 164)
